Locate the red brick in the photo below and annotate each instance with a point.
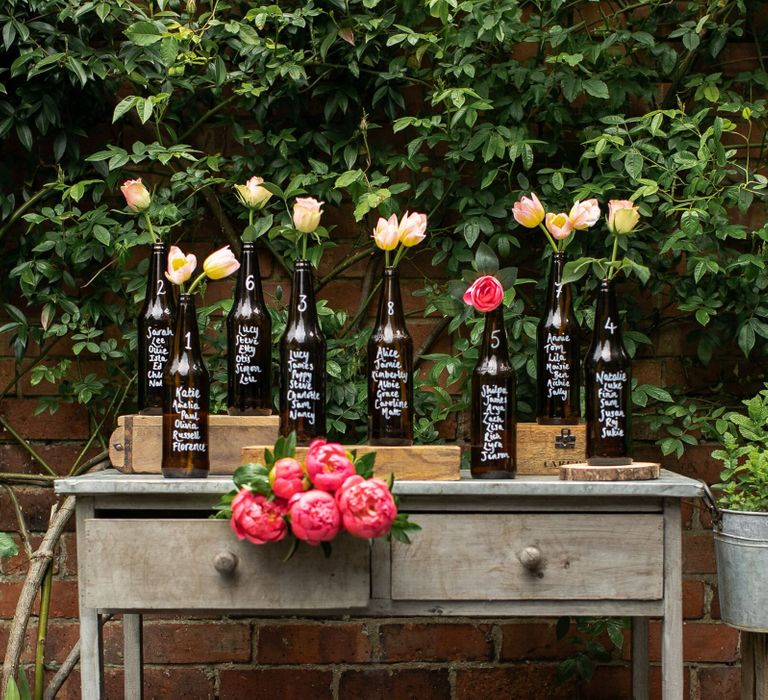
(693, 599)
(9, 596)
(723, 683)
(60, 638)
(698, 553)
(276, 684)
(435, 642)
(17, 566)
(35, 505)
(524, 641)
(60, 456)
(64, 599)
(525, 682)
(68, 554)
(405, 684)
(70, 422)
(714, 606)
(702, 641)
(609, 683)
(655, 683)
(313, 644)
(184, 643)
(697, 462)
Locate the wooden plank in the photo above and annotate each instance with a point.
(637, 471)
(415, 463)
(754, 666)
(133, 657)
(465, 556)
(150, 565)
(672, 683)
(537, 451)
(136, 444)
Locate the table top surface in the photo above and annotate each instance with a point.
(669, 485)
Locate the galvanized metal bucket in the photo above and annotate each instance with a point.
(741, 547)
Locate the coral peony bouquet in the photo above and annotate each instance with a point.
(331, 492)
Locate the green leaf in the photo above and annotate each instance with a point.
(123, 106)
(8, 547)
(596, 88)
(248, 473)
(746, 338)
(364, 465)
(633, 164)
(143, 33)
(486, 262)
(12, 691)
(348, 178)
(101, 235)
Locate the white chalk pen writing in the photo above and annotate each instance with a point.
(557, 368)
(302, 394)
(158, 352)
(494, 402)
(186, 435)
(246, 346)
(390, 380)
(611, 415)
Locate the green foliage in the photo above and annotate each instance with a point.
(744, 479)
(450, 107)
(8, 546)
(588, 641)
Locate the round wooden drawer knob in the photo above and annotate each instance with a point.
(225, 563)
(530, 558)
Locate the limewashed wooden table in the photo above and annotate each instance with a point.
(533, 546)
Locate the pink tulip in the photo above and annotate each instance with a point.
(136, 195)
(485, 293)
(528, 212)
(286, 477)
(328, 465)
(584, 215)
(385, 235)
(256, 519)
(623, 216)
(221, 263)
(306, 214)
(315, 517)
(252, 194)
(367, 507)
(180, 266)
(412, 229)
(559, 225)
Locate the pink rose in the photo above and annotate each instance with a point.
(328, 465)
(180, 266)
(253, 194)
(623, 216)
(367, 507)
(528, 212)
(485, 293)
(559, 225)
(286, 477)
(221, 263)
(385, 235)
(257, 519)
(412, 229)
(315, 517)
(584, 215)
(306, 214)
(136, 195)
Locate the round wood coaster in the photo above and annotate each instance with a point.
(637, 471)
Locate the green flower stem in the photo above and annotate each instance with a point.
(250, 218)
(304, 237)
(612, 269)
(399, 255)
(194, 285)
(42, 632)
(549, 237)
(149, 226)
(386, 258)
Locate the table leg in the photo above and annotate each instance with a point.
(754, 666)
(133, 657)
(672, 635)
(639, 658)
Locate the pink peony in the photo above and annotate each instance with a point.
(485, 293)
(287, 477)
(584, 215)
(367, 507)
(528, 212)
(257, 519)
(559, 225)
(136, 195)
(315, 517)
(328, 465)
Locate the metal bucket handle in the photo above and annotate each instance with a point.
(711, 503)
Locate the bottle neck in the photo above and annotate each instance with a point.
(157, 263)
(248, 287)
(607, 320)
(558, 294)
(495, 336)
(186, 338)
(302, 309)
(391, 302)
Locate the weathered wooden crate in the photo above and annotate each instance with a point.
(543, 449)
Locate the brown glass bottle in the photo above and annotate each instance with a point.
(557, 354)
(608, 382)
(185, 400)
(249, 342)
(155, 326)
(302, 363)
(494, 420)
(390, 370)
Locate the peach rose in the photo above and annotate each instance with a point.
(252, 194)
(306, 214)
(136, 195)
(623, 216)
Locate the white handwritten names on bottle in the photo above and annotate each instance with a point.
(187, 420)
(390, 380)
(302, 394)
(158, 351)
(494, 404)
(611, 415)
(246, 346)
(557, 368)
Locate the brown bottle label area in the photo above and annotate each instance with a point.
(187, 413)
(389, 377)
(303, 394)
(159, 340)
(494, 402)
(611, 417)
(557, 368)
(247, 342)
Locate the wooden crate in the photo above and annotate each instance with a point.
(542, 449)
(419, 462)
(136, 445)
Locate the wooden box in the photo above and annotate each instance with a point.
(542, 449)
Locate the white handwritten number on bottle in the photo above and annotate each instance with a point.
(495, 339)
(610, 326)
(390, 308)
(250, 283)
(160, 287)
(302, 302)
(188, 336)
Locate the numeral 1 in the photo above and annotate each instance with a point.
(188, 336)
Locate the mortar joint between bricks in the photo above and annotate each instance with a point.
(497, 639)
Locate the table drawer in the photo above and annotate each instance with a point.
(587, 556)
(169, 564)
